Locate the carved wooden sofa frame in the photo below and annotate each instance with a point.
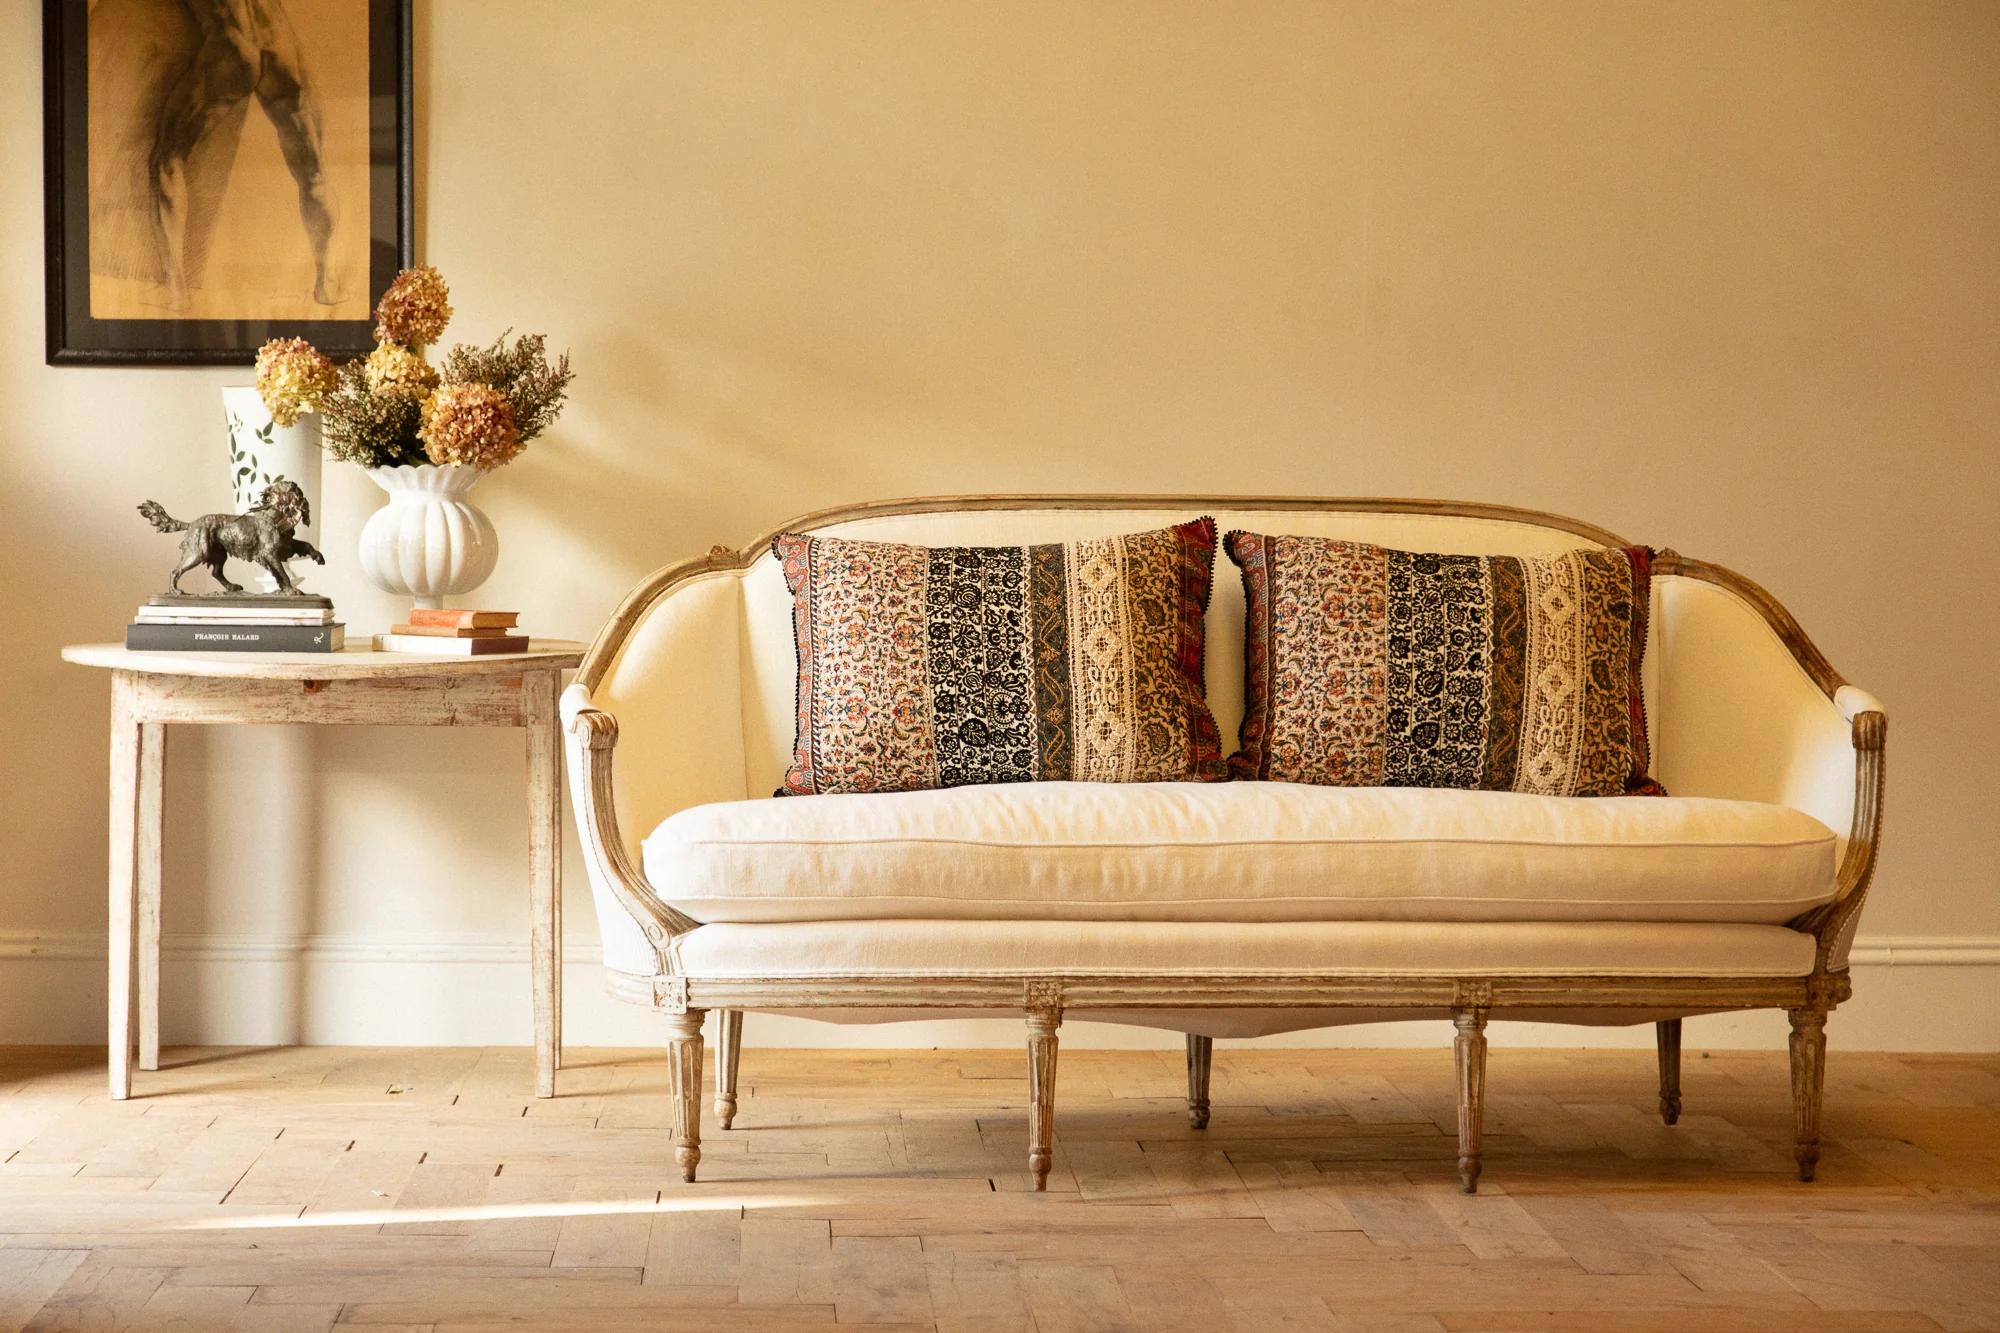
(593, 734)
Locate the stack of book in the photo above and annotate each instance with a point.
(455, 632)
(237, 623)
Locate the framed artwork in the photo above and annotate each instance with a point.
(221, 172)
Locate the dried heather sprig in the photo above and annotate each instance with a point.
(369, 428)
(293, 378)
(415, 309)
(471, 424)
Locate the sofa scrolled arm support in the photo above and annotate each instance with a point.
(1833, 925)
(593, 736)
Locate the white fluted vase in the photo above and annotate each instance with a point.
(429, 542)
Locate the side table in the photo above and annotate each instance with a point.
(151, 690)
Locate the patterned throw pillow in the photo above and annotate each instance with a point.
(1376, 668)
(922, 667)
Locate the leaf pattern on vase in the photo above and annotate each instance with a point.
(247, 474)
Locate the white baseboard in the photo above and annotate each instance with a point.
(1912, 993)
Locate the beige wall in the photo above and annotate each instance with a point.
(1724, 277)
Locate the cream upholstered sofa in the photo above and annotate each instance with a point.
(1234, 909)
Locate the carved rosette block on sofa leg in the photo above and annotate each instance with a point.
(1808, 1081)
(1042, 1025)
(1668, 1037)
(728, 1046)
(1469, 1049)
(1200, 1053)
(684, 1051)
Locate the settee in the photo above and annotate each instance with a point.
(1225, 909)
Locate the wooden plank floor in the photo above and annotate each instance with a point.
(301, 1189)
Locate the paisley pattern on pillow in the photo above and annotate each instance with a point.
(926, 667)
(1371, 667)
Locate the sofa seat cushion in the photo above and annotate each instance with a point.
(1251, 851)
(1169, 949)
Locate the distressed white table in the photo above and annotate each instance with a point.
(150, 690)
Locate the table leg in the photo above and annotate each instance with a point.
(545, 872)
(124, 849)
(152, 775)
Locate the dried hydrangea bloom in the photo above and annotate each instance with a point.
(293, 378)
(415, 309)
(534, 386)
(393, 368)
(470, 424)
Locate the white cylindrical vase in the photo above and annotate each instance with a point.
(261, 452)
(429, 542)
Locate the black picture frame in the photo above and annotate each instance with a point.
(76, 338)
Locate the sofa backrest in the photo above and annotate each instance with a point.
(770, 663)
(700, 667)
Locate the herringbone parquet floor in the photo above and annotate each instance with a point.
(304, 1189)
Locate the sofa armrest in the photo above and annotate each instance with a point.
(662, 685)
(1754, 711)
(591, 735)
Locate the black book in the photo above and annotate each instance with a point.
(249, 601)
(227, 638)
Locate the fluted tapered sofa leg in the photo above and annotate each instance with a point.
(1808, 1081)
(1469, 1048)
(728, 1046)
(684, 1086)
(1668, 1036)
(1042, 1025)
(1200, 1051)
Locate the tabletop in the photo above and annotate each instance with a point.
(360, 662)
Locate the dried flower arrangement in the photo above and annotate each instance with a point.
(394, 408)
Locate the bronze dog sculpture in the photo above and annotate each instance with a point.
(263, 537)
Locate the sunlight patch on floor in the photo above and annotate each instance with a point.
(501, 1212)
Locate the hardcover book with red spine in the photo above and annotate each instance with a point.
(451, 617)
